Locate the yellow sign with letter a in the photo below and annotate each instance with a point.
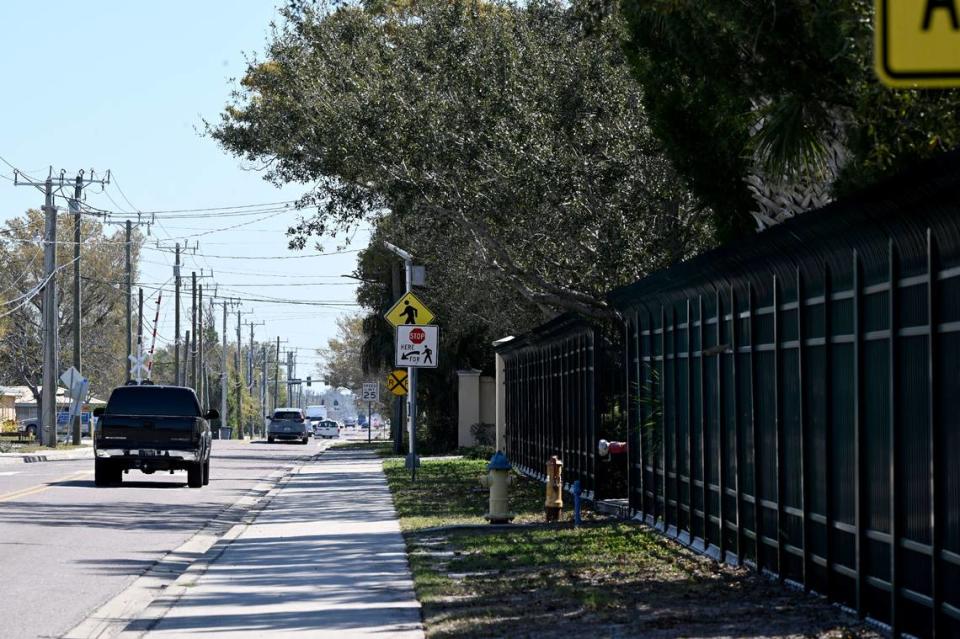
(917, 43)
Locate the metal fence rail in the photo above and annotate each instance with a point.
(794, 403)
(551, 400)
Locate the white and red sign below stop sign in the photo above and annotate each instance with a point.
(417, 346)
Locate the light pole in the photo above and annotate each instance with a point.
(411, 371)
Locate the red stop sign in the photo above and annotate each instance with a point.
(417, 336)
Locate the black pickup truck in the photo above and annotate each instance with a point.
(152, 428)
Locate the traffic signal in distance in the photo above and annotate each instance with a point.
(309, 380)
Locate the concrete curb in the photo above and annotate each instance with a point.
(151, 595)
(42, 456)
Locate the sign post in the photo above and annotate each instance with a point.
(371, 393)
(411, 317)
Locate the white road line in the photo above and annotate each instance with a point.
(10, 472)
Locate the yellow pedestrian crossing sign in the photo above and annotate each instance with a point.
(916, 43)
(409, 310)
(397, 382)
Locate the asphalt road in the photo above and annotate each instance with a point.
(67, 547)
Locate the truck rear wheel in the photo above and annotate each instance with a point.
(195, 475)
(206, 472)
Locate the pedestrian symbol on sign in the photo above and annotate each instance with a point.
(409, 313)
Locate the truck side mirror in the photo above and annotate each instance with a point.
(99, 411)
(213, 413)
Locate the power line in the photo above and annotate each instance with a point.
(272, 257)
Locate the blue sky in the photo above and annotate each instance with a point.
(125, 85)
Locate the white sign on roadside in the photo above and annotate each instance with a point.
(371, 392)
(71, 378)
(417, 346)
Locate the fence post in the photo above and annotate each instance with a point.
(675, 369)
(704, 475)
(802, 404)
(860, 519)
(689, 391)
(933, 327)
(721, 434)
(736, 424)
(759, 549)
(895, 526)
(827, 432)
(778, 430)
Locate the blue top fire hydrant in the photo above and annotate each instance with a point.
(498, 480)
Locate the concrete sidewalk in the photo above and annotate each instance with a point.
(325, 558)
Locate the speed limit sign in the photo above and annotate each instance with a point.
(371, 392)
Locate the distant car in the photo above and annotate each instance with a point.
(288, 424)
(327, 428)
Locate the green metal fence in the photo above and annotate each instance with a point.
(551, 400)
(794, 402)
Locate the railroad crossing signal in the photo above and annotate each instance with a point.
(397, 382)
(409, 310)
(138, 364)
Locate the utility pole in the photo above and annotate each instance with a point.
(183, 372)
(289, 378)
(129, 290)
(193, 329)
(128, 226)
(276, 377)
(176, 318)
(250, 380)
(140, 323)
(240, 377)
(48, 394)
(224, 370)
(79, 183)
(48, 399)
(263, 387)
(201, 388)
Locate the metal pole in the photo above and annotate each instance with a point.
(223, 371)
(129, 226)
(411, 371)
(77, 360)
(176, 319)
(276, 377)
(263, 390)
(139, 322)
(201, 376)
(193, 330)
(239, 380)
(250, 380)
(183, 372)
(48, 398)
(412, 375)
(369, 423)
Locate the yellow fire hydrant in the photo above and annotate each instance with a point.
(554, 502)
(498, 480)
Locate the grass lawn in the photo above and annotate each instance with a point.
(381, 448)
(606, 578)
